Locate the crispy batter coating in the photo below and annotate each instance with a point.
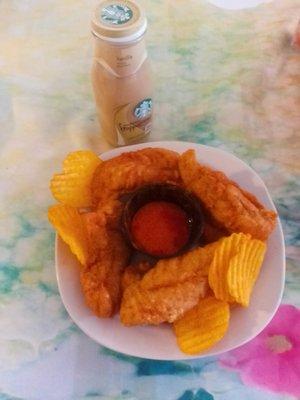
(108, 214)
(110, 211)
(232, 207)
(134, 273)
(109, 255)
(165, 304)
(101, 282)
(171, 271)
(169, 289)
(133, 169)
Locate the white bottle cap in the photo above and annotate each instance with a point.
(119, 21)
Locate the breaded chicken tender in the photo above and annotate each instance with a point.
(169, 289)
(109, 255)
(165, 304)
(131, 170)
(171, 271)
(232, 207)
(106, 218)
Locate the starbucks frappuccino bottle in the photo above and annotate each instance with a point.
(120, 72)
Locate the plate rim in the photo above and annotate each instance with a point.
(113, 152)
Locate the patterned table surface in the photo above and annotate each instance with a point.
(226, 78)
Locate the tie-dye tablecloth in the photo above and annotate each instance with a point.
(224, 78)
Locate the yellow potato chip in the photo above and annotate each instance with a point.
(244, 269)
(72, 186)
(70, 226)
(202, 326)
(217, 277)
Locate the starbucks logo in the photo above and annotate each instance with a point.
(143, 109)
(116, 14)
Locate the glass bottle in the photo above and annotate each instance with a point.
(120, 73)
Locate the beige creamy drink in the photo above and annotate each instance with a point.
(120, 73)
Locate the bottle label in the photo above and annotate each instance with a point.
(121, 61)
(131, 131)
(116, 14)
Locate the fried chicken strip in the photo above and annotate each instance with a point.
(161, 305)
(175, 270)
(101, 279)
(107, 214)
(232, 207)
(169, 289)
(133, 169)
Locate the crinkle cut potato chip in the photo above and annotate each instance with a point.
(70, 226)
(244, 269)
(72, 187)
(235, 268)
(217, 277)
(202, 326)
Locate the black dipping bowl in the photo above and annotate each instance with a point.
(170, 193)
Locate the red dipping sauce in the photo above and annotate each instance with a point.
(160, 228)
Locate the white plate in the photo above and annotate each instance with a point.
(158, 342)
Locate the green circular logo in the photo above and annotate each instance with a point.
(116, 14)
(143, 109)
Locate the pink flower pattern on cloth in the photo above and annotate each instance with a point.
(272, 359)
